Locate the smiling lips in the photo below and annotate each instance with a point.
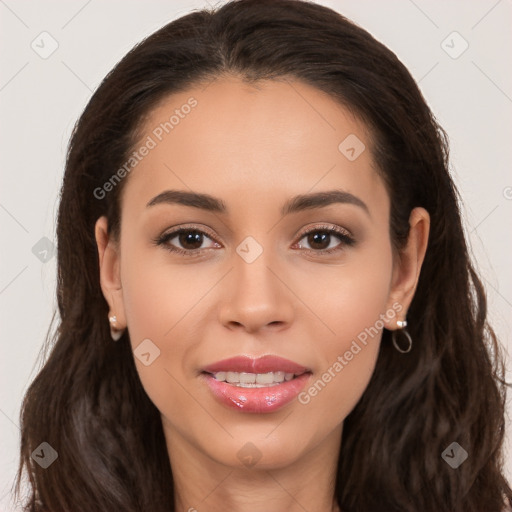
(256, 385)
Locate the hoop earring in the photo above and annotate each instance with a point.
(402, 325)
(114, 333)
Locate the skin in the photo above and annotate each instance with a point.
(255, 148)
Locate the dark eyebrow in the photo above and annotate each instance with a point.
(321, 199)
(194, 199)
(295, 204)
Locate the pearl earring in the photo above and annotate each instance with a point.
(114, 333)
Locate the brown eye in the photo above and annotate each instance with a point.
(186, 241)
(319, 240)
(326, 240)
(190, 240)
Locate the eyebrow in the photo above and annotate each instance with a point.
(295, 204)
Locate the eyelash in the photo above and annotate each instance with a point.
(343, 235)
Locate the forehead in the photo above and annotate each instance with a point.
(235, 140)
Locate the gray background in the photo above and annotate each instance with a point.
(41, 98)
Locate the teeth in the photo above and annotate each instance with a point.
(279, 376)
(232, 377)
(220, 376)
(265, 378)
(253, 380)
(247, 378)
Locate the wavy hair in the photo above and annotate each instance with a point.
(87, 400)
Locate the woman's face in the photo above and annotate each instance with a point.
(281, 283)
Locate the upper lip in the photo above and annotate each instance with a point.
(263, 364)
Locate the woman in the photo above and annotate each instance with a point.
(265, 295)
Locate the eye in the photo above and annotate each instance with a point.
(321, 239)
(188, 241)
(191, 241)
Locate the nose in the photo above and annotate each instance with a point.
(257, 297)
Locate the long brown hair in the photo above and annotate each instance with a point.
(87, 401)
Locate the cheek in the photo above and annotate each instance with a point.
(158, 307)
(158, 296)
(352, 302)
(349, 298)
(161, 303)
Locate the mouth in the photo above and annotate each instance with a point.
(255, 385)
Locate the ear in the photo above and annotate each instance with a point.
(407, 265)
(110, 271)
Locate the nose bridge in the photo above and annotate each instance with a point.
(255, 296)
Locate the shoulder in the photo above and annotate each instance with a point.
(508, 505)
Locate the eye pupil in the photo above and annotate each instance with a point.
(193, 238)
(319, 237)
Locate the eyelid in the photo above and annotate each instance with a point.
(190, 227)
(325, 227)
(187, 227)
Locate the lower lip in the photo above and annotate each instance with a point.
(258, 400)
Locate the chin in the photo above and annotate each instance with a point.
(257, 449)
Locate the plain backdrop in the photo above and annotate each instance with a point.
(41, 97)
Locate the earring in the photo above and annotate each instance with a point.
(114, 333)
(401, 324)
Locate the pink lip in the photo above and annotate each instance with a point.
(256, 400)
(262, 364)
